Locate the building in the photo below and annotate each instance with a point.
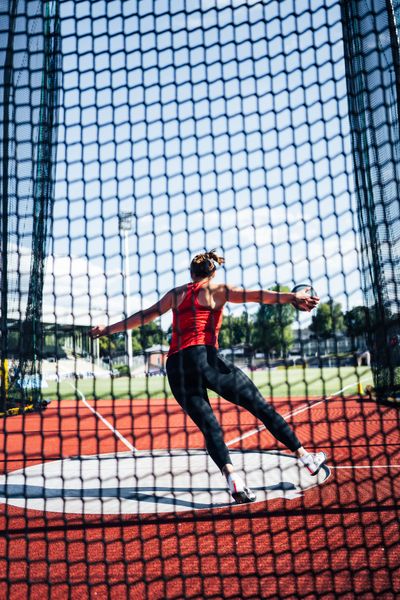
(155, 359)
(306, 344)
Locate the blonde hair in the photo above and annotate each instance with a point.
(203, 265)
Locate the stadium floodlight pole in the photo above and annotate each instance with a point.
(125, 226)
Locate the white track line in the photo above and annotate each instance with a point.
(103, 420)
(291, 414)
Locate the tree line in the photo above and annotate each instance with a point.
(269, 330)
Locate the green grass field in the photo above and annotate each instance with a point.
(274, 382)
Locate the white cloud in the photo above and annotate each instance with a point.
(77, 291)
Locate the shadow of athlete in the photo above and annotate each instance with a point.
(194, 364)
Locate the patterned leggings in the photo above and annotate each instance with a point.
(194, 370)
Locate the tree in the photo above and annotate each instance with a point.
(143, 337)
(137, 347)
(111, 345)
(272, 330)
(356, 321)
(147, 335)
(235, 331)
(328, 320)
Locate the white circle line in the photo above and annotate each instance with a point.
(94, 484)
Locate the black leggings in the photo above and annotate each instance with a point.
(192, 370)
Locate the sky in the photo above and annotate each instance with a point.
(217, 124)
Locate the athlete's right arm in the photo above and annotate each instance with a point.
(141, 317)
(299, 299)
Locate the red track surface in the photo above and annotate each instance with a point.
(340, 540)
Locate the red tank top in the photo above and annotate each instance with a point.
(194, 324)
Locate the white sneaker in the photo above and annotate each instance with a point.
(314, 462)
(239, 491)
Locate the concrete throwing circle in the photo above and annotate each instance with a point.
(151, 482)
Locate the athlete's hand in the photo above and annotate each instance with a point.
(99, 331)
(303, 301)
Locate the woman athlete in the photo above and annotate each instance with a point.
(194, 364)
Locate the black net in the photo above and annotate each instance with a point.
(266, 130)
(373, 75)
(29, 90)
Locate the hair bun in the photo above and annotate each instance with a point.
(203, 264)
(211, 255)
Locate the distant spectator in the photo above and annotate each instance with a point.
(363, 357)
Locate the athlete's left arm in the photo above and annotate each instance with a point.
(300, 299)
(137, 319)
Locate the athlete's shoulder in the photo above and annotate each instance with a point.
(179, 289)
(220, 292)
(230, 293)
(178, 294)
(218, 287)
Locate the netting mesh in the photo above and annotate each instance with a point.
(29, 87)
(373, 76)
(137, 134)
